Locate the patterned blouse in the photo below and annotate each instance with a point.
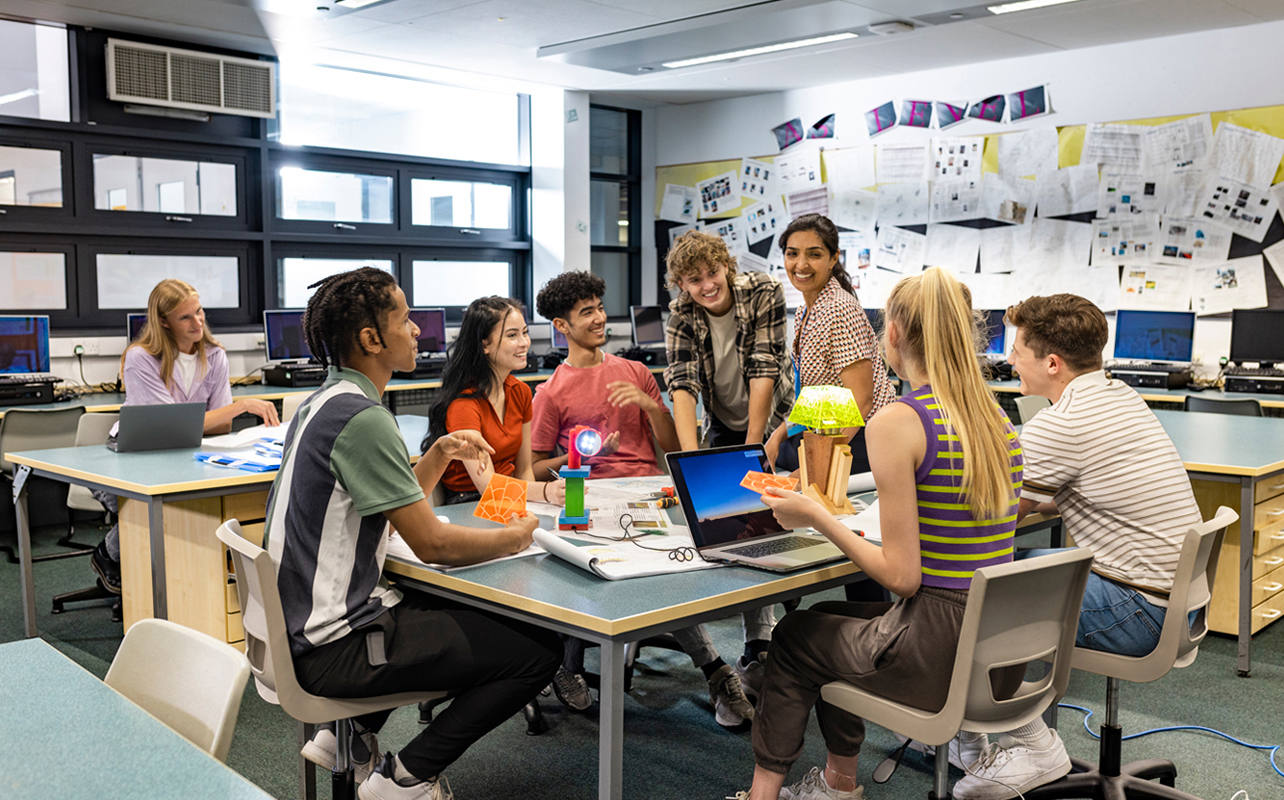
(835, 333)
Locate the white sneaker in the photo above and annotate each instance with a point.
(1004, 771)
(381, 786)
(730, 706)
(814, 787)
(750, 674)
(321, 750)
(964, 748)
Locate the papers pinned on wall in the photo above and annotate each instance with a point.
(900, 250)
(1116, 148)
(857, 248)
(957, 158)
(810, 201)
(1028, 153)
(953, 247)
(763, 220)
(757, 179)
(1072, 190)
(1007, 199)
(1244, 155)
(850, 168)
(679, 203)
(903, 203)
(798, 170)
(1219, 288)
(718, 195)
(1246, 209)
(1125, 240)
(1192, 241)
(855, 209)
(1121, 195)
(902, 163)
(1179, 145)
(1155, 287)
(730, 231)
(955, 201)
(1005, 249)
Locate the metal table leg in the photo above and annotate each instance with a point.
(610, 773)
(156, 529)
(26, 578)
(1245, 666)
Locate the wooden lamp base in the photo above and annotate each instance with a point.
(825, 461)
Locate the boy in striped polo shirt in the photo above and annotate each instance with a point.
(1100, 458)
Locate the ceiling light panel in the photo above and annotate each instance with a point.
(1026, 5)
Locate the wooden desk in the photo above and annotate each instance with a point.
(71, 735)
(171, 505)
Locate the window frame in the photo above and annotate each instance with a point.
(10, 136)
(632, 181)
(315, 163)
(457, 234)
(518, 272)
(272, 273)
(33, 244)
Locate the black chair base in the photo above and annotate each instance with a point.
(98, 592)
(1135, 780)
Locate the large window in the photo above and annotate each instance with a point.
(30, 176)
(35, 76)
(295, 275)
(164, 185)
(125, 280)
(311, 194)
(615, 190)
(33, 281)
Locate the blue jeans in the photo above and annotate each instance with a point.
(1114, 618)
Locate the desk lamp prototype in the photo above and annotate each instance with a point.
(584, 442)
(824, 455)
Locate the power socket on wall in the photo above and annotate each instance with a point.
(84, 347)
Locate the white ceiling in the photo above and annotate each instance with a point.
(499, 38)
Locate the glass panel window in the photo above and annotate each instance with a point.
(297, 274)
(164, 185)
(339, 196)
(33, 281)
(460, 204)
(458, 283)
(35, 78)
(332, 107)
(609, 213)
(30, 177)
(125, 281)
(608, 141)
(613, 268)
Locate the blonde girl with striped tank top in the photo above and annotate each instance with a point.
(948, 469)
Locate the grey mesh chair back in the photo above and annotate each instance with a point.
(36, 429)
(1029, 405)
(1247, 407)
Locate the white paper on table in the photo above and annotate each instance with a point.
(757, 179)
(866, 521)
(718, 195)
(674, 233)
(763, 219)
(1192, 241)
(1060, 245)
(1155, 287)
(991, 291)
(1245, 155)
(1130, 239)
(900, 250)
(246, 437)
(857, 247)
(954, 201)
(874, 286)
(810, 201)
(1219, 288)
(1118, 148)
(854, 209)
(679, 204)
(850, 168)
(1246, 209)
(903, 203)
(1275, 255)
(1179, 145)
(730, 231)
(1121, 195)
(902, 163)
(620, 560)
(1028, 153)
(397, 547)
(798, 170)
(1072, 190)
(1007, 199)
(1184, 192)
(953, 247)
(748, 261)
(1005, 249)
(957, 158)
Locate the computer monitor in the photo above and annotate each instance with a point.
(432, 329)
(557, 337)
(283, 333)
(996, 333)
(1257, 335)
(648, 325)
(1154, 335)
(136, 323)
(24, 344)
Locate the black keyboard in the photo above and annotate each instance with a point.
(26, 377)
(782, 545)
(1260, 372)
(1147, 366)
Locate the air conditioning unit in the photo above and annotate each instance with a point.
(167, 76)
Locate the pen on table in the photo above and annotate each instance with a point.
(553, 472)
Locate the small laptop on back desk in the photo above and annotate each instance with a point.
(169, 426)
(729, 522)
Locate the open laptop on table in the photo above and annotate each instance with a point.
(169, 426)
(729, 522)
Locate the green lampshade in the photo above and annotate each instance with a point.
(826, 408)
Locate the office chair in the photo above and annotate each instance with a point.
(93, 429)
(1178, 646)
(39, 429)
(1018, 612)
(188, 680)
(291, 404)
(1246, 407)
(1029, 405)
(267, 646)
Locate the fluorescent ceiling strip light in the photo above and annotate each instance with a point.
(355, 4)
(757, 51)
(1026, 5)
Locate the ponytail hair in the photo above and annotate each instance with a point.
(938, 329)
(823, 227)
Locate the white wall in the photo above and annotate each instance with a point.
(1211, 71)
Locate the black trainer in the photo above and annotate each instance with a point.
(108, 571)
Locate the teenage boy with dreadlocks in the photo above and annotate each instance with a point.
(344, 476)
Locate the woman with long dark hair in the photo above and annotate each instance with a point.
(478, 392)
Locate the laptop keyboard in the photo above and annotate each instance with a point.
(782, 545)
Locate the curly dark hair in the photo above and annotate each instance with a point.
(560, 295)
(343, 305)
(823, 227)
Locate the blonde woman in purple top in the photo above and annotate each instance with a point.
(175, 360)
(948, 470)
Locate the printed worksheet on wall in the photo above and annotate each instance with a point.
(953, 247)
(1007, 199)
(903, 203)
(900, 250)
(1117, 148)
(957, 157)
(1246, 209)
(902, 163)
(955, 201)
(849, 169)
(1179, 145)
(1245, 155)
(1186, 240)
(1219, 288)
(1005, 248)
(679, 204)
(1027, 153)
(1155, 287)
(855, 209)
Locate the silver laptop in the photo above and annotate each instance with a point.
(169, 426)
(729, 522)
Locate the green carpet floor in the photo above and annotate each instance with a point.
(673, 747)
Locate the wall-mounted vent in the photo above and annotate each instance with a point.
(167, 76)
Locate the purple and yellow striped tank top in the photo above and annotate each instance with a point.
(952, 542)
